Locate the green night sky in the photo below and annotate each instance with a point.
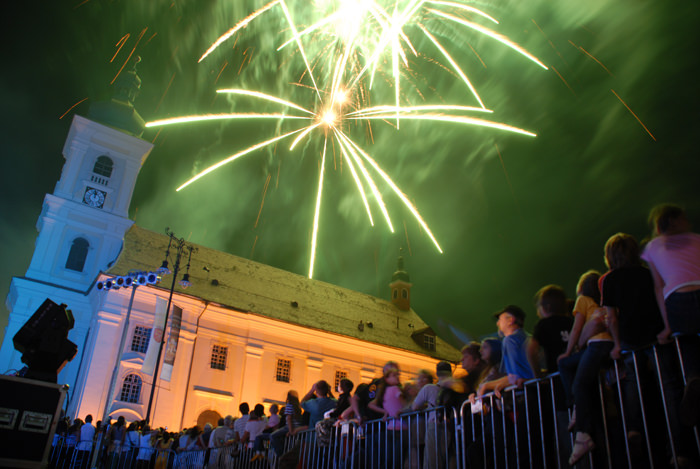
(512, 213)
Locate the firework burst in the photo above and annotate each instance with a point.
(350, 44)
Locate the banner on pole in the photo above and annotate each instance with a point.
(171, 344)
(149, 361)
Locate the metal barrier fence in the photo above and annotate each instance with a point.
(636, 418)
(66, 454)
(636, 425)
(424, 439)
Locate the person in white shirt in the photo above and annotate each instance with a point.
(239, 424)
(87, 435)
(255, 425)
(146, 444)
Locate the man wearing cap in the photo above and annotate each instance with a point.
(514, 363)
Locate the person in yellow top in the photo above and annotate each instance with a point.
(579, 369)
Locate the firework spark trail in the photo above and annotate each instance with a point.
(262, 202)
(563, 80)
(395, 188)
(405, 109)
(635, 115)
(234, 157)
(358, 182)
(242, 24)
(156, 137)
(464, 7)
(71, 108)
(252, 250)
(301, 47)
(119, 46)
(592, 57)
(129, 57)
(223, 67)
(408, 241)
(211, 117)
(492, 34)
(455, 120)
(477, 56)
(349, 150)
(151, 38)
(314, 27)
(505, 171)
(454, 64)
(167, 88)
(257, 94)
(317, 213)
(551, 44)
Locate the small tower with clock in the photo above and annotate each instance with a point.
(83, 222)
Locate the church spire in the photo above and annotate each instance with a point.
(119, 111)
(401, 285)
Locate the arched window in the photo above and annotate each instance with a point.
(103, 166)
(131, 389)
(404, 293)
(77, 255)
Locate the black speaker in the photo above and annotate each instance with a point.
(43, 341)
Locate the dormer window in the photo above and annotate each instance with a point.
(429, 342)
(425, 338)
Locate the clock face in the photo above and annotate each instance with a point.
(94, 197)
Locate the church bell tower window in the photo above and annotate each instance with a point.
(103, 166)
(102, 170)
(77, 255)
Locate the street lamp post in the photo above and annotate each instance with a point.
(180, 246)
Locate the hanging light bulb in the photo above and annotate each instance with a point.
(164, 269)
(185, 282)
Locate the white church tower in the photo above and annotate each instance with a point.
(82, 224)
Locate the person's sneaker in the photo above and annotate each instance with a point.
(257, 457)
(690, 404)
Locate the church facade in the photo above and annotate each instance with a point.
(243, 332)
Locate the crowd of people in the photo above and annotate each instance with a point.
(649, 294)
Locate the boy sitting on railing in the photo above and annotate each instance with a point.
(510, 323)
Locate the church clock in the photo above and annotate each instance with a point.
(94, 197)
